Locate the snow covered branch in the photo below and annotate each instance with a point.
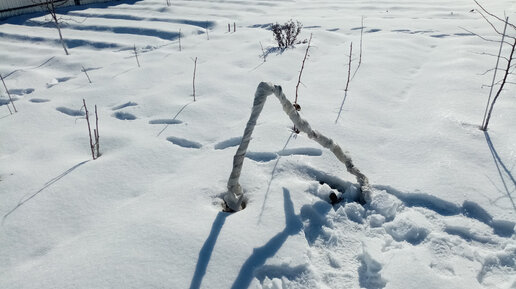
(235, 196)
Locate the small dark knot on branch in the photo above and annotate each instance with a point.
(297, 106)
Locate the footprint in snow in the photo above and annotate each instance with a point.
(21, 91)
(184, 142)
(39, 100)
(232, 142)
(268, 156)
(124, 115)
(165, 121)
(127, 104)
(70, 112)
(5, 101)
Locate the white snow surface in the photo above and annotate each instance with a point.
(148, 212)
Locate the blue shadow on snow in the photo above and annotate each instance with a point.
(207, 250)
(293, 225)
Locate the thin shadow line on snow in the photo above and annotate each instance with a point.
(207, 250)
(48, 184)
(177, 114)
(293, 226)
(272, 177)
(501, 166)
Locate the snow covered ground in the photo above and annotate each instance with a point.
(147, 213)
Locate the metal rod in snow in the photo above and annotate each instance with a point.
(235, 195)
(495, 71)
(9, 94)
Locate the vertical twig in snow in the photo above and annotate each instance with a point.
(136, 55)
(502, 85)
(296, 105)
(89, 129)
(179, 39)
(229, 28)
(263, 53)
(97, 132)
(347, 82)
(494, 76)
(234, 26)
(193, 81)
(85, 72)
(9, 94)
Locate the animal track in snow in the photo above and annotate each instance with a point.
(70, 112)
(184, 142)
(267, 156)
(127, 104)
(4, 101)
(39, 100)
(21, 91)
(165, 121)
(395, 223)
(232, 142)
(124, 115)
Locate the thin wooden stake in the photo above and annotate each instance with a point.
(89, 129)
(234, 26)
(9, 94)
(96, 131)
(193, 82)
(229, 27)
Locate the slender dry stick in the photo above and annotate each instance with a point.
(234, 26)
(193, 81)
(179, 39)
(136, 55)
(97, 132)
(500, 89)
(492, 15)
(347, 82)
(229, 27)
(301, 72)
(89, 128)
(85, 72)
(9, 94)
(263, 53)
(495, 71)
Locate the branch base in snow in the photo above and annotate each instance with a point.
(234, 197)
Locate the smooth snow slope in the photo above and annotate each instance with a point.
(147, 213)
